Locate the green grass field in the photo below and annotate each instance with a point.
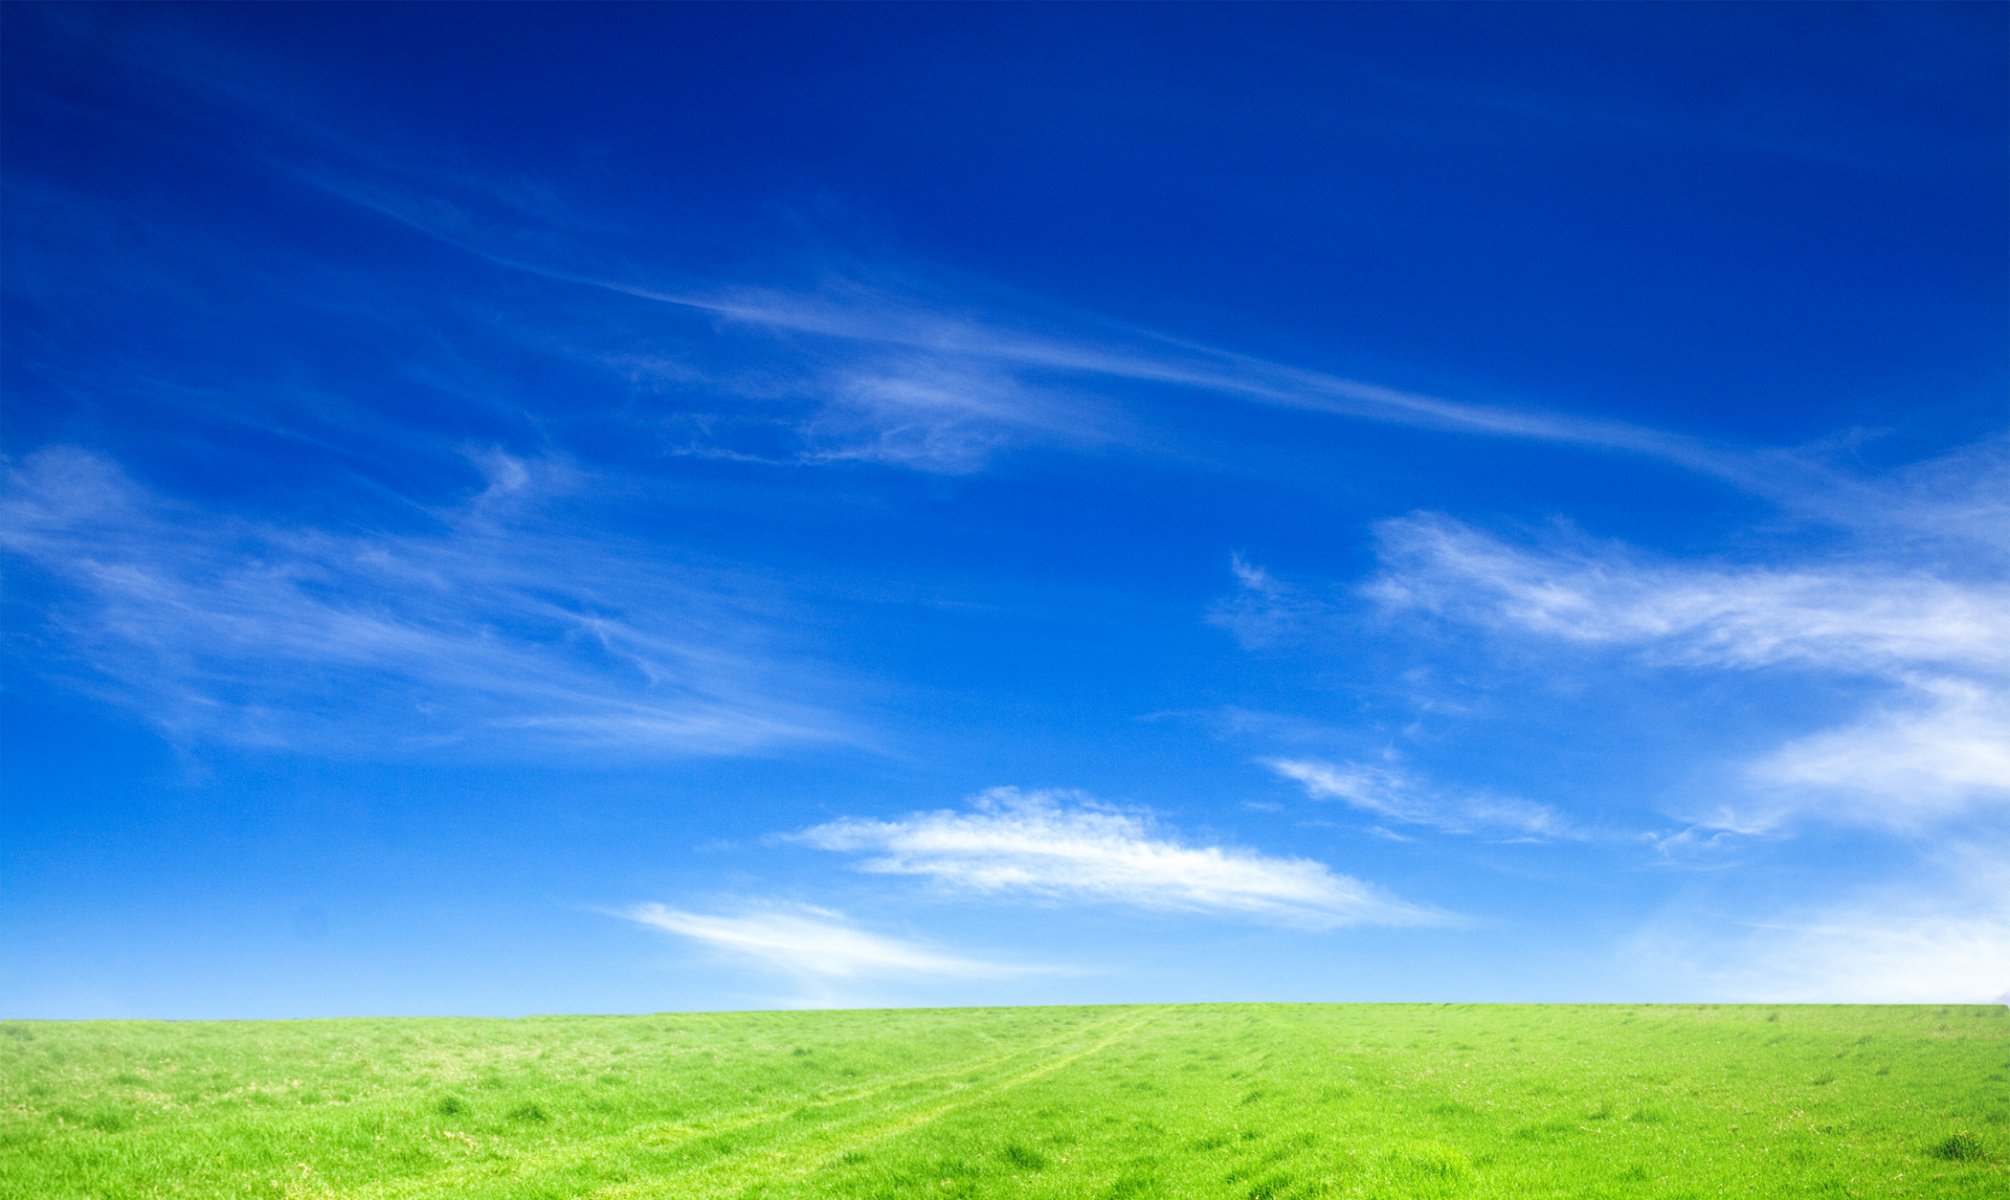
(1206, 1100)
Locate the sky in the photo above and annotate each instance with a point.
(616, 509)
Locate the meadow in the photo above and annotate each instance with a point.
(1243, 1101)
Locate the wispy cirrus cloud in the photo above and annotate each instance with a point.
(884, 366)
(910, 318)
(1875, 619)
(1949, 509)
(867, 362)
(870, 348)
(1937, 638)
(818, 943)
(1264, 611)
(1397, 795)
(481, 623)
(1938, 751)
(1942, 936)
(945, 417)
(1066, 846)
(892, 364)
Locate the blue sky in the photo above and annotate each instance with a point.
(640, 508)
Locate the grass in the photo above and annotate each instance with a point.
(1241, 1101)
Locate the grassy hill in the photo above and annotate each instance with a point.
(1242, 1101)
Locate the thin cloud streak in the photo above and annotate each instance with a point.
(527, 227)
(1941, 938)
(1941, 644)
(1399, 796)
(1264, 611)
(820, 944)
(1065, 846)
(1876, 621)
(487, 628)
(1943, 753)
(883, 318)
(876, 348)
(905, 321)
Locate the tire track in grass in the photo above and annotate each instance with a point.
(966, 1094)
(668, 1137)
(779, 1170)
(789, 1109)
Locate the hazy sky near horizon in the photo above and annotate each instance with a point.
(529, 509)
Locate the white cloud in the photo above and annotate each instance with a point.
(818, 943)
(859, 332)
(1944, 938)
(1265, 611)
(1065, 845)
(483, 622)
(862, 319)
(1397, 795)
(1954, 507)
(1945, 751)
(1939, 641)
(1877, 620)
(895, 313)
(937, 415)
